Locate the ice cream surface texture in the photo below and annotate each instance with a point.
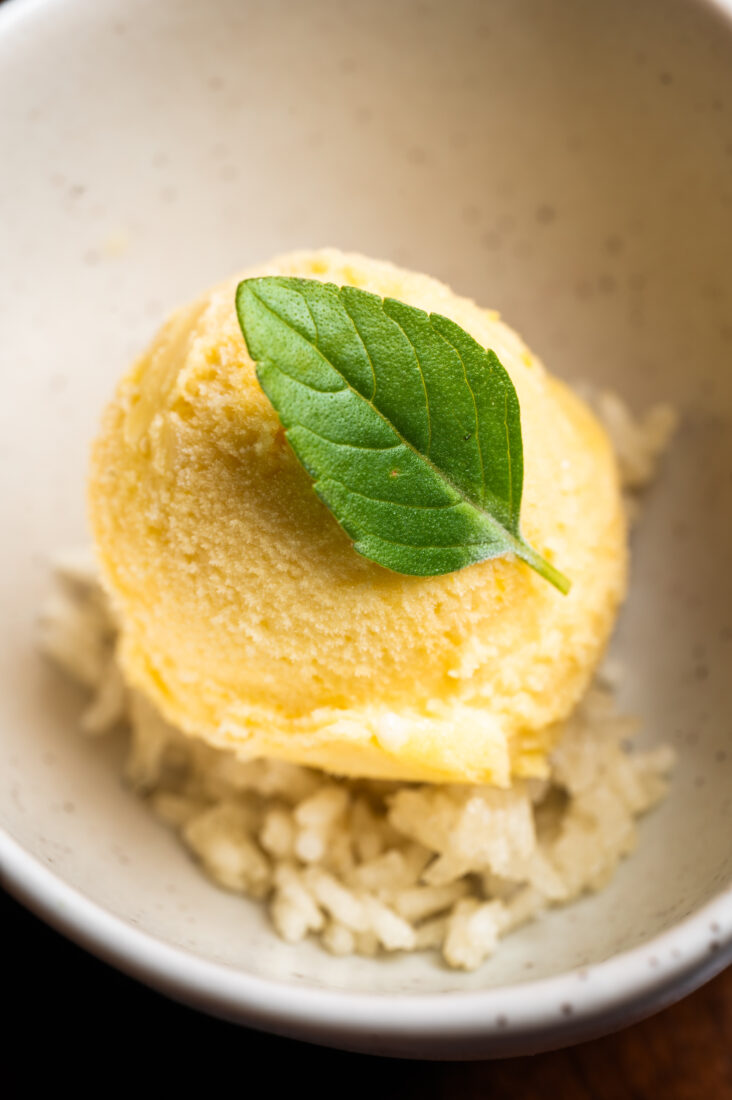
(248, 618)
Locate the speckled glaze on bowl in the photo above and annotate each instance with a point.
(568, 164)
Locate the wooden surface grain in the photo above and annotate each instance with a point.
(83, 1016)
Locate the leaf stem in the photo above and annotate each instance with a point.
(544, 568)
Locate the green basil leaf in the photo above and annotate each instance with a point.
(410, 429)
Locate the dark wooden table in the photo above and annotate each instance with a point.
(86, 1019)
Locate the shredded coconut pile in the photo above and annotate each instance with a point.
(374, 866)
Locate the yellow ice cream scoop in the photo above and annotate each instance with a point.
(249, 619)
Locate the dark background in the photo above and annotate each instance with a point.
(73, 1020)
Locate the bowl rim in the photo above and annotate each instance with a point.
(527, 1017)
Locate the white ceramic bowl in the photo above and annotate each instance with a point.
(570, 164)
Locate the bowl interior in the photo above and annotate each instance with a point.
(570, 165)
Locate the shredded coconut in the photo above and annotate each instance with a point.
(377, 866)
